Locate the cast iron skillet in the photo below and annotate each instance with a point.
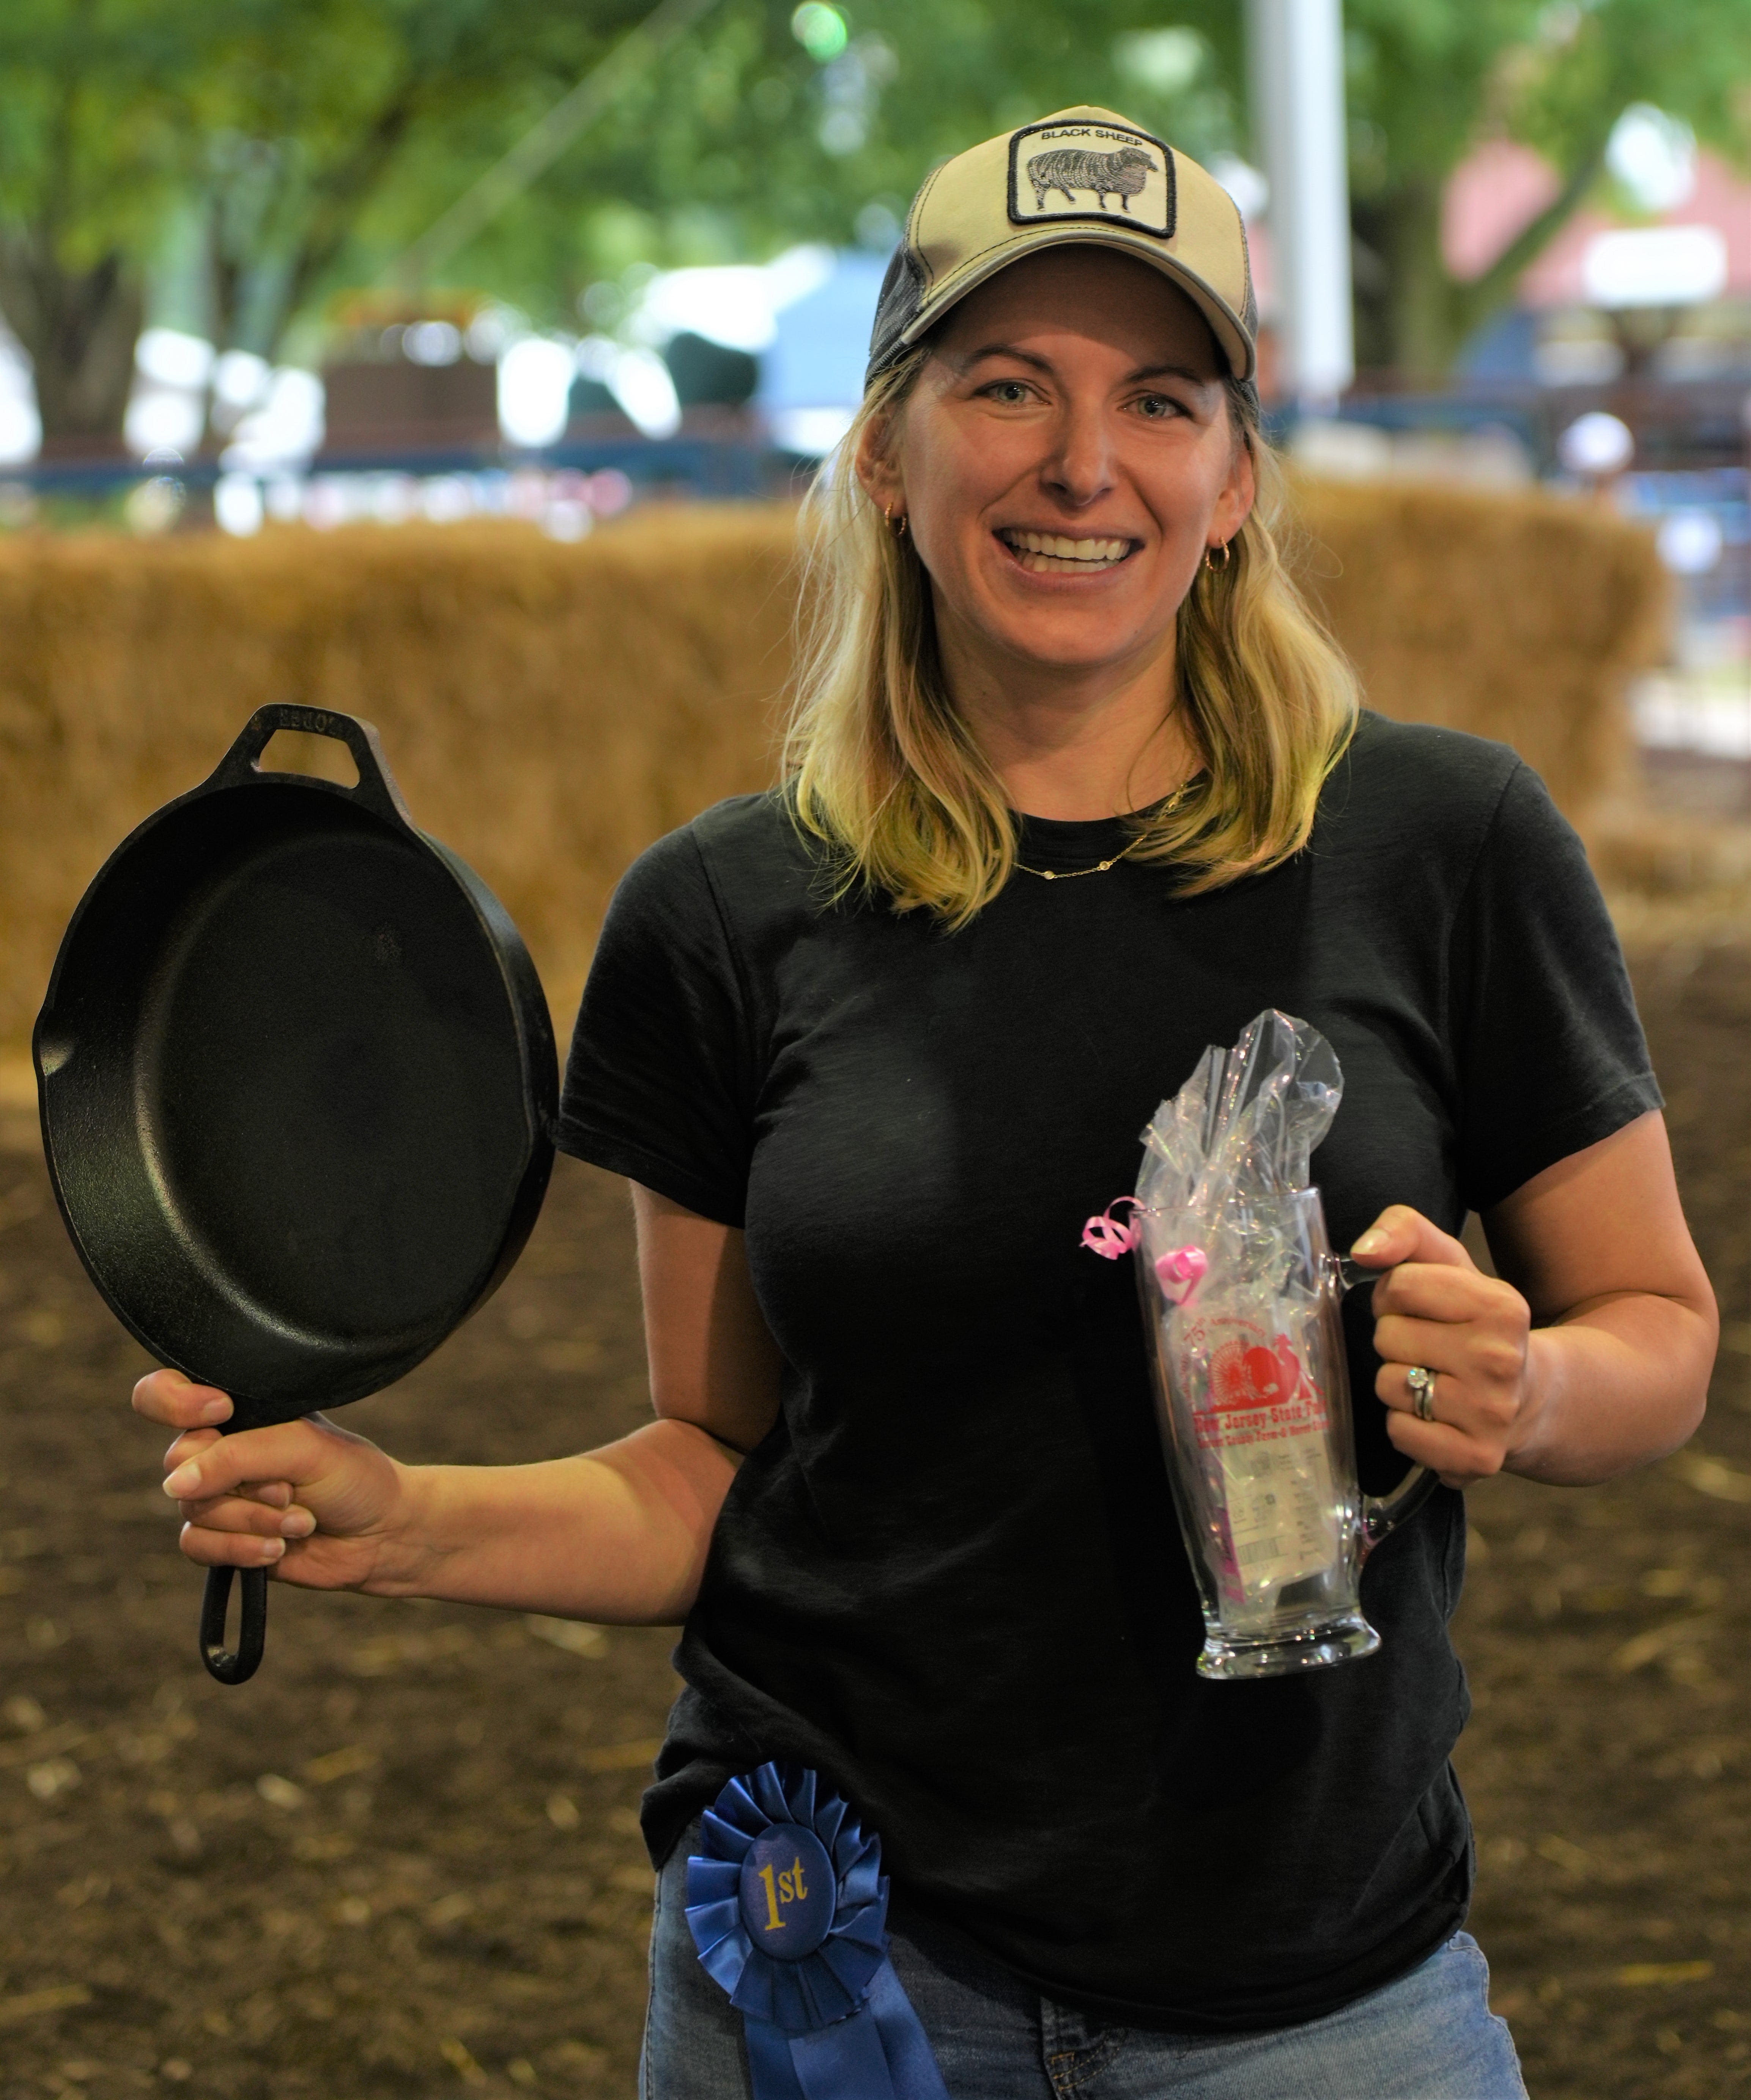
(298, 1084)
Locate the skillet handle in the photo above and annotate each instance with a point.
(252, 1631)
(376, 789)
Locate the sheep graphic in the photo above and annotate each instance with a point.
(1121, 174)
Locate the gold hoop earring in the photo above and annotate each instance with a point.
(898, 530)
(1216, 568)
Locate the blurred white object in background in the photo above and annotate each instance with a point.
(237, 506)
(1489, 457)
(241, 380)
(732, 305)
(446, 499)
(1654, 156)
(1246, 184)
(1690, 542)
(170, 358)
(20, 427)
(492, 332)
(159, 417)
(1654, 266)
(1295, 62)
(534, 383)
(285, 428)
(1343, 452)
(1674, 711)
(432, 342)
(167, 408)
(640, 383)
(812, 433)
(1596, 444)
(737, 305)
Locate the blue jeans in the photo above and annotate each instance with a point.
(1429, 2036)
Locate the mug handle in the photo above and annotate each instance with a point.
(1383, 1514)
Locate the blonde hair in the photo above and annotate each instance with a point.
(887, 776)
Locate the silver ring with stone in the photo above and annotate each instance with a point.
(1421, 1384)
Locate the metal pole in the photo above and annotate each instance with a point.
(537, 150)
(1295, 62)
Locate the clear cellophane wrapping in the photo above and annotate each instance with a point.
(1231, 1253)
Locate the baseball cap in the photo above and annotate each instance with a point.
(1085, 175)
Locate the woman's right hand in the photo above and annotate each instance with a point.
(315, 1505)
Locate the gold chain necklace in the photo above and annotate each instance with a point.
(1100, 867)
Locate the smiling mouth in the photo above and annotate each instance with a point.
(1050, 554)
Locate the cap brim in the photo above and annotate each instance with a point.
(1231, 337)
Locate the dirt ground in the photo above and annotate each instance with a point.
(404, 1861)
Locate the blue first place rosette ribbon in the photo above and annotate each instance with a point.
(788, 1908)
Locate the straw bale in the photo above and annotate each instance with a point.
(1671, 879)
(548, 710)
(1521, 617)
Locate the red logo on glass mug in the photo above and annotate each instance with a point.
(1243, 1375)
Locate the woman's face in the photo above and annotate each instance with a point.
(1064, 460)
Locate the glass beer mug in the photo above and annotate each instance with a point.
(1241, 1293)
(1253, 1393)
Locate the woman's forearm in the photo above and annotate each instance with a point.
(618, 1535)
(1612, 1385)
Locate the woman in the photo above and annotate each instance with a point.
(1078, 787)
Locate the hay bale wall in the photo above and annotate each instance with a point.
(549, 710)
(1519, 617)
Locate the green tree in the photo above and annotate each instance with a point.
(760, 129)
(312, 141)
(316, 115)
(1428, 79)
(90, 157)
(756, 130)
(316, 111)
(277, 124)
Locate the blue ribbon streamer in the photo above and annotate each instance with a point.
(788, 1908)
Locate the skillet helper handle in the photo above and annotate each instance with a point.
(229, 1667)
(1383, 1514)
(376, 786)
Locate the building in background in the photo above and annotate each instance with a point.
(1661, 295)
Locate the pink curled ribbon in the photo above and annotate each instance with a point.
(1180, 1272)
(1104, 1235)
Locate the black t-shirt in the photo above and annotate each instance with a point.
(951, 1577)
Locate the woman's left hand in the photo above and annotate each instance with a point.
(1436, 1309)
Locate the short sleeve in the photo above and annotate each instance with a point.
(657, 1082)
(1549, 1050)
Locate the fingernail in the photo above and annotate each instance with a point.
(181, 1485)
(216, 1410)
(272, 1548)
(297, 1523)
(1371, 1242)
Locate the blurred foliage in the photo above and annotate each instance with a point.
(273, 125)
(742, 139)
(1428, 79)
(91, 159)
(273, 151)
(780, 145)
(286, 150)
